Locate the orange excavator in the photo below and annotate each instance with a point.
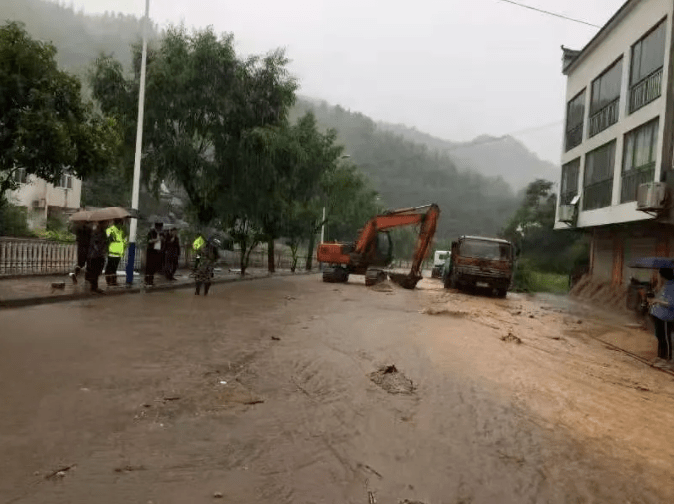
(372, 251)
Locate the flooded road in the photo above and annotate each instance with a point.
(269, 391)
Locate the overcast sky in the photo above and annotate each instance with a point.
(453, 68)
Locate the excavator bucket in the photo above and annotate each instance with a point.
(408, 281)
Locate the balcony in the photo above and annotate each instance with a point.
(631, 180)
(574, 137)
(604, 117)
(598, 195)
(646, 90)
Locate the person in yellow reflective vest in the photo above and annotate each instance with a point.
(116, 247)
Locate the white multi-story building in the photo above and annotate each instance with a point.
(43, 200)
(618, 139)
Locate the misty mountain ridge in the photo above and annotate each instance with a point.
(406, 167)
(504, 157)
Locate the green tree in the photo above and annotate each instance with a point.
(203, 106)
(530, 228)
(45, 126)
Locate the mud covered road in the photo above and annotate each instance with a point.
(290, 390)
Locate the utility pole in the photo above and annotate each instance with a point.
(131, 257)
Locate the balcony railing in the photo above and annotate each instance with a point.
(604, 117)
(631, 180)
(598, 195)
(566, 197)
(574, 137)
(646, 90)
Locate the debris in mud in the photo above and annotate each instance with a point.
(276, 338)
(531, 316)
(171, 398)
(59, 473)
(434, 310)
(290, 298)
(129, 468)
(217, 495)
(511, 338)
(407, 501)
(392, 381)
(254, 401)
(58, 285)
(643, 389)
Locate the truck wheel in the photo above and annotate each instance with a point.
(502, 293)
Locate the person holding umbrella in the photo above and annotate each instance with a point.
(98, 248)
(83, 236)
(662, 305)
(662, 314)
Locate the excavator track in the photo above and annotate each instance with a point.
(335, 274)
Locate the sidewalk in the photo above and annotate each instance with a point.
(33, 290)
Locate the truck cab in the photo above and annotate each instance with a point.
(478, 261)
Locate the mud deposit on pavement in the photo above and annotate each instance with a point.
(274, 392)
(391, 380)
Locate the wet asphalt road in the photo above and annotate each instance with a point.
(262, 393)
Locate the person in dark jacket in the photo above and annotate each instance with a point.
(83, 235)
(171, 253)
(155, 253)
(98, 249)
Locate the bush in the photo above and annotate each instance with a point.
(13, 220)
(60, 236)
(522, 279)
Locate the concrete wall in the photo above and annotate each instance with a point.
(615, 43)
(47, 196)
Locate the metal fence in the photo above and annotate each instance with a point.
(20, 256)
(24, 256)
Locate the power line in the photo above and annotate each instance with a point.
(551, 13)
(503, 137)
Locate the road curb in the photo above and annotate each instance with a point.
(63, 298)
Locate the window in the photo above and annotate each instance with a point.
(598, 184)
(569, 182)
(20, 176)
(66, 181)
(575, 114)
(605, 98)
(648, 56)
(638, 159)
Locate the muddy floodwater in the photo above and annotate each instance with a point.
(290, 390)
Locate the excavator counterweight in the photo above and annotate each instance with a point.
(371, 252)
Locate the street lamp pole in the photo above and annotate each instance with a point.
(131, 258)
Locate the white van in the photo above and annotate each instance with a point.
(438, 262)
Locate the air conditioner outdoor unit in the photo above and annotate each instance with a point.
(566, 213)
(651, 196)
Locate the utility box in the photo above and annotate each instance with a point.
(652, 196)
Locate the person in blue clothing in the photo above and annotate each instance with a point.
(662, 313)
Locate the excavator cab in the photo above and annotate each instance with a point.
(383, 254)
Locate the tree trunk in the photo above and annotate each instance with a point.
(270, 256)
(243, 260)
(293, 251)
(310, 252)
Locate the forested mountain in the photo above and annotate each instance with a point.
(405, 172)
(410, 174)
(79, 37)
(504, 157)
